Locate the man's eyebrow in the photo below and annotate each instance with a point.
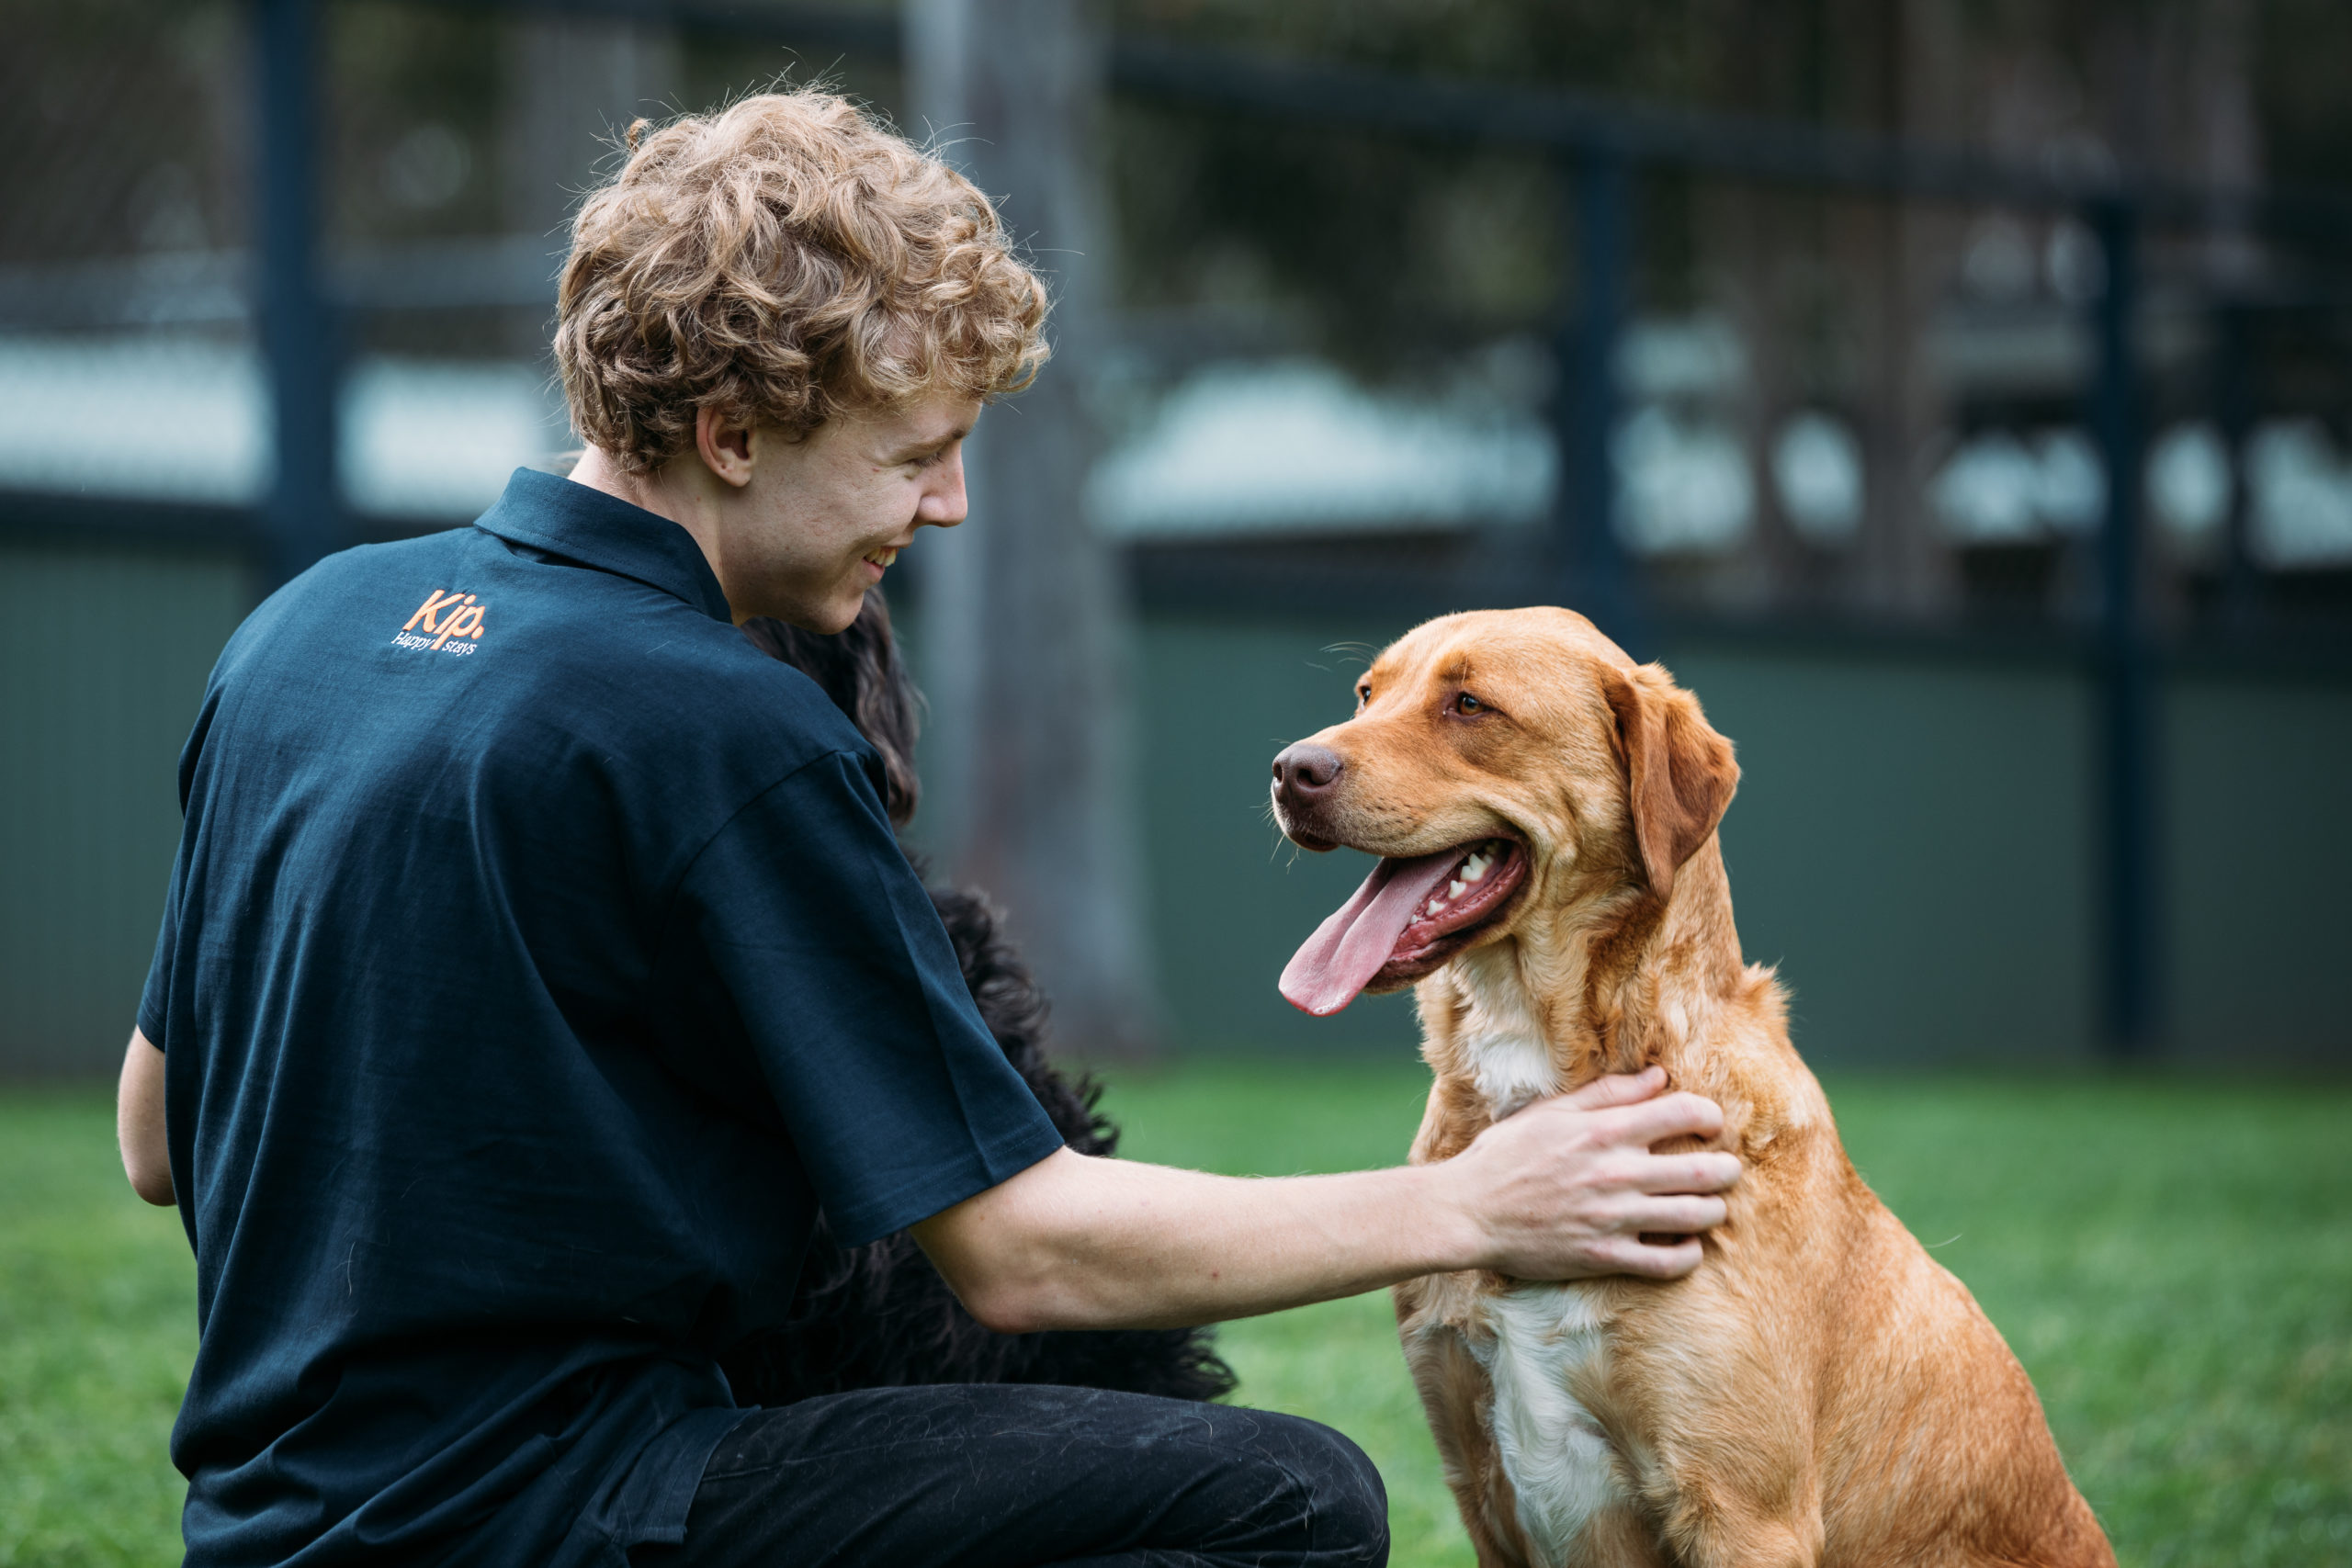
(924, 448)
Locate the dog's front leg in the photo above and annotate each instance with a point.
(1459, 1400)
(1715, 1531)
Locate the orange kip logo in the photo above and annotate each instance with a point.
(446, 615)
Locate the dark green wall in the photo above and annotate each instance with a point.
(1905, 843)
(1231, 899)
(1909, 844)
(102, 656)
(2259, 826)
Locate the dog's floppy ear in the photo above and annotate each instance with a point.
(1679, 772)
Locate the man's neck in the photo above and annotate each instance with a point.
(668, 491)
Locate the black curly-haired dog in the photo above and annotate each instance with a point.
(880, 1316)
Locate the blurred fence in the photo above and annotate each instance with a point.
(278, 278)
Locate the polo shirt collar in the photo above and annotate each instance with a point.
(552, 514)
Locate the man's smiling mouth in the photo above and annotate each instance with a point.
(883, 557)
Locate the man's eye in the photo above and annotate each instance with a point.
(1466, 703)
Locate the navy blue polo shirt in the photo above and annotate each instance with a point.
(537, 959)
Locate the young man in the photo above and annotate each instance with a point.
(525, 986)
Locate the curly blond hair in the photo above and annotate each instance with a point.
(784, 261)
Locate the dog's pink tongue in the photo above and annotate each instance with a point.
(1348, 949)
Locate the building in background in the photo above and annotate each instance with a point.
(1319, 382)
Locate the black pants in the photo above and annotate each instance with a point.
(994, 1475)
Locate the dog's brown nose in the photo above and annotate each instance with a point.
(1304, 771)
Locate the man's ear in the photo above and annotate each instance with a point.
(725, 449)
(1680, 773)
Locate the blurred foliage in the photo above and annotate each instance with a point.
(414, 119)
(2299, 89)
(105, 93)
(120, 138)
(128, 118)
(1373, 244)
(1411, 248)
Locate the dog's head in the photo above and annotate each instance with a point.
(1507, 766)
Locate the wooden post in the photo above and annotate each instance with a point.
(1023, 627)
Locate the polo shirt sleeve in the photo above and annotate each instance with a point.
(155, 998)
(801, 934)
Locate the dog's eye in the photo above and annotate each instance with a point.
(1466, 703)
(1364, 694)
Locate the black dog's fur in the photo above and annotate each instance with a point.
(880, 1316)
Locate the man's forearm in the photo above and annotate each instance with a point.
(1083, 1243)
(1567, 1188)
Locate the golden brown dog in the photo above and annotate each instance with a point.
(1819, 1391)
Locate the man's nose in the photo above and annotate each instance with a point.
(1305, 773)
(944, 504)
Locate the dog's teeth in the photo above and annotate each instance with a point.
(1473, 870)
(1454, 890)
(1435, 905)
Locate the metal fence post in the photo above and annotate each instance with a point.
(2130, 885)
(302, 516)
(1592, 568)
(2233, 409)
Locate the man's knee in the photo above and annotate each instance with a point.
(1042, 1474)
(1347, 1503)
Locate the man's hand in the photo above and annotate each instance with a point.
(1567, 1188)
(1562, 1190)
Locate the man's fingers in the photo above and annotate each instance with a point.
(1703, 1172)
(1617, 1088)
(1681, 1114)
(1624, 1255)
(1671, 1216)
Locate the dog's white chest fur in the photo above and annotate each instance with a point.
(1551, 1448)
(1501, 1039)
(1539, 1338)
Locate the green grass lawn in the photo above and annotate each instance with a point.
(2171, 1260)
